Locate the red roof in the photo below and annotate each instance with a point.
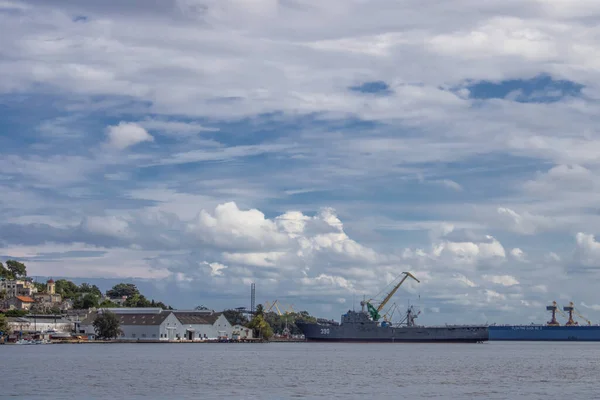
(50, 281)
(25, 299)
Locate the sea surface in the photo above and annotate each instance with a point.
(492, 370)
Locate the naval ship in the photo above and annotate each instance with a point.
(551, 331)
(365, 326)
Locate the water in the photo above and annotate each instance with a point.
(492, 370)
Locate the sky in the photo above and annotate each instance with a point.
(316, 148)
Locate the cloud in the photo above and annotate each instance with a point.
(303, 153)
(518, 254)
(127, 134)
(504, 280)
(587, 249)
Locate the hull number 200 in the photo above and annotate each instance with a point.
(325, 331)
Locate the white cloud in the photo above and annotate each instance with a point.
(243, 169)
(517, 254)
(504, 280)
(127, 134)
(216, 269)
(587, 250)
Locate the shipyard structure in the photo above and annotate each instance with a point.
(371, 326)
(551, 331)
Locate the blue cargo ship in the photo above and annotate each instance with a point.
(552, 331)
(545, 333)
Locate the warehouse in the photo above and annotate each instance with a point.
(156, 325)
(203, 325)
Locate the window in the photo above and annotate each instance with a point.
(154, 335)
(133, 335)
(143, 335)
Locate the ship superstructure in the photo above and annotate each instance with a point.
(365, 326)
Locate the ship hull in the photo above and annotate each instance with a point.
(415, 334)
(544, 333)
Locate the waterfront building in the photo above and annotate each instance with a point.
(203, 325)
(157, 324)
(153, 324)
(241, 332)
(40, 323)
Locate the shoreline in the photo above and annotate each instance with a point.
(62, 342)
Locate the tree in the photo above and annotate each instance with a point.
(87, 288)
(137, 300)
(235, 317)
(13, 270)
(41, 287)
(67, 289)
(4, 273)
(259, 325)
(106, 325)
(15, 313)
(89, 300)
(17, 269)
(3, 325)
(108, 304)
(122, 289)
(3, 294)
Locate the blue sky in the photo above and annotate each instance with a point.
(315, 148)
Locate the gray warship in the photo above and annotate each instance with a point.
(364, 326)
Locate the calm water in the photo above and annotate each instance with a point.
(301, 370)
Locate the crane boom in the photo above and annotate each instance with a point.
(393, 291)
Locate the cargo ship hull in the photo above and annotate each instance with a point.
(544, 333)
(374, 333)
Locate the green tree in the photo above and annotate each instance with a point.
(106, 325)
(67, 289)
(89, 300)
(3, 294)
(3, 325)
(87, 288)
(15, 313)
(137, 300)
(16, 268)
(235, 317)
(259, 325)
(4, 273)
(41, 287)
(123, 289)
(108, 304)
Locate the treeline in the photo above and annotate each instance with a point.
(86, 296)
(83, 296)
(266, 324)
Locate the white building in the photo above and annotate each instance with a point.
(241, 332)
(149, 324)
(157, 324)
(203, 325)
(40, 323)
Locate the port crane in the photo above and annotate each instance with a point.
(284, 315)
(554, 308)
(572, 310)
(374, 311)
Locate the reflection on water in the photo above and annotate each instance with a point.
(300, 370)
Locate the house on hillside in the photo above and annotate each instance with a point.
(203, 325)
(18, 303)
(17, 287)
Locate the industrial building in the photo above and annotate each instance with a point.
(140, 324)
